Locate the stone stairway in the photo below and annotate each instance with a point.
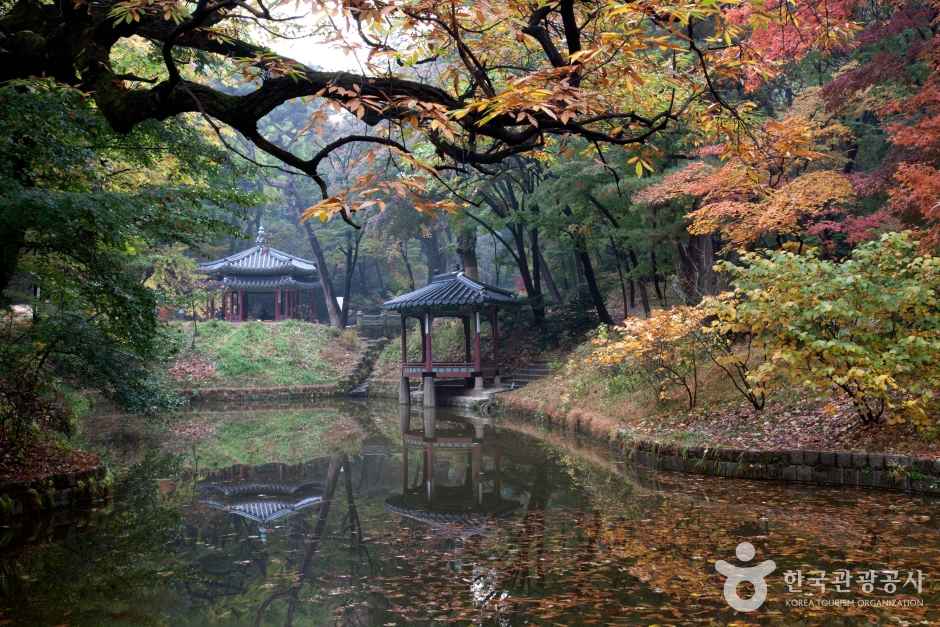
(358, 382)
(523, 376)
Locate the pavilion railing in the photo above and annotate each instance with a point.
(446, 369)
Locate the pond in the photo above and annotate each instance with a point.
(361, 514)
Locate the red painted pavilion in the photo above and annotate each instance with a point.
(263, 283)
(452, 295)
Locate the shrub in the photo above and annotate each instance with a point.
(732, 347)
(665, 345)
(869, 326)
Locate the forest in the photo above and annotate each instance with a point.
(751, 186)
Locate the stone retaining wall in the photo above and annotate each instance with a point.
(875, 470)
(286, 393)
(840, 468)
(54, 492)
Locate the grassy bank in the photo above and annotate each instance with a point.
(263, 354)
(602, 400)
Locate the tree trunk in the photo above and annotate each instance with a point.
(13, 240)
(496, 264)
(549, 279)
(351, 253)
(644, 295)
(431, 249)
(654, 274)
(379, 277)
(588, 268)
(192, 345)
(602, 314)
(623, 285)
(696, 274)
(403, 251)
(536, 259)
(326, 279)
(632, 283)
(535, 296)
(467, 249)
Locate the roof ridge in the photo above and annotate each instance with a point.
(453, 289)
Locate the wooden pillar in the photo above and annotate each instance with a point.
(242, 310)
(429, 398)
(404, 419)
(429, 424)
(428, 344)
(466, 338)
(404, 389)
(476, 467)
(277, 304)
(404, 465)
(429, 469)
(404, 340)
(477, 358)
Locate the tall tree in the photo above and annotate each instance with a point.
(511, 77)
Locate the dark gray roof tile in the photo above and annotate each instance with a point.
(260, 260)
(451, 291)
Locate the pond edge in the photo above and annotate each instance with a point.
(885, 471)
(58, 491)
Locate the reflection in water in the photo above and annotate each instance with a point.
(450, 474)
(264, 494)
(435, 518)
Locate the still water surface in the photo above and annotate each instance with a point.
(358, 514)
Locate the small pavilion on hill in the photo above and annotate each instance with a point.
(263, 283)
(452, 295)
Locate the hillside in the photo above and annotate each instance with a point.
(262, 354)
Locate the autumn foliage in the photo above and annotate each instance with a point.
(868, 328)
(663, 345)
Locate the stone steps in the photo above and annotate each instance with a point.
(357, 384)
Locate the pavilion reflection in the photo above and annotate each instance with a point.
(451, 473)
(294, 531)
(264, 494)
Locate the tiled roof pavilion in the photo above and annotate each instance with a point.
(265, 283)
(447, 293)
(458, 296)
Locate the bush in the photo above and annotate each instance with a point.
(665, 345)
(734, 348)
(869, 327)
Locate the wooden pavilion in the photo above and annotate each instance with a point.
(451, 295)
(263, 283)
